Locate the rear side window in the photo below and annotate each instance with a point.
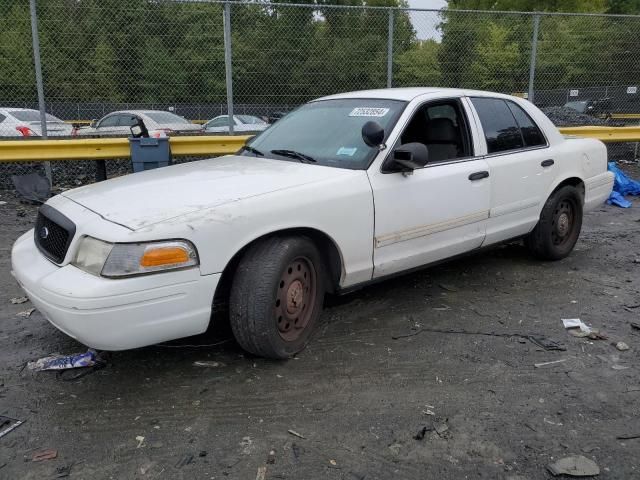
(2, 118)
(500, 128)
(111, 121)
(531, 134)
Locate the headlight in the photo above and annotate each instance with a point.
(126, 259)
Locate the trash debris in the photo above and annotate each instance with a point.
(26, 314)
(333, 462)
(296, 434)
(18, 300)
(271, 459)
(262, 473)
(32, 187)
(42, 455)
(622, 185)
(7, 425)
(575, 466)
(546, 343)
(635, 326)
(185, 460)
(422, 432)
(441, 428)
(577, 328)
(205, 363)
(65, 362)
(622, 346)
(544, 364)
(64, 471)
(628, 436)
(140, 440)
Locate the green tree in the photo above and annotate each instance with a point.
(419, 66)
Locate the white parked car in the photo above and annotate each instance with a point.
(346, 190)
(25, 122)
(241, 123)
(158, 122)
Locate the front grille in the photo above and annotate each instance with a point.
(53, 233)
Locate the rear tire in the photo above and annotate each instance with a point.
(276, 296)
(558, 229)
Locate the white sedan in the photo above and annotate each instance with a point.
(241, 123)
(25, 122)
(158, 122)
(347, 190)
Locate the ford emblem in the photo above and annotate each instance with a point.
(44, 232)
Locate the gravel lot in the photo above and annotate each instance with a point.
(358, 396)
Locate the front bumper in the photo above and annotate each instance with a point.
(114, 314)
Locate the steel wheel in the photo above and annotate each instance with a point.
(562, 222)
(295, 298)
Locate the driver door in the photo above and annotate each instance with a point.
(437, 211)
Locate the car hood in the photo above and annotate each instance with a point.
(141, 199)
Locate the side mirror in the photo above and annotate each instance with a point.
(373, 134)
(93, 123)
(411, 156)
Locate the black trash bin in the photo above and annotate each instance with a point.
(149, 153)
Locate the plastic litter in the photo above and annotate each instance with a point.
(622, 185)
(19, 300)
(65, 362)
(32, 187)
(576, 466)
(26, 314)
(8, 425)
(48, 454)
(622, 346)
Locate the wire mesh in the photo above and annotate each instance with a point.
(101, 56)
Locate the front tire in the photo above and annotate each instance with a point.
(557, 231)
(276, 296)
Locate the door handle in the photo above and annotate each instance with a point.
(478, 176)
(547, 163)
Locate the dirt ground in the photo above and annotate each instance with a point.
(356, 398)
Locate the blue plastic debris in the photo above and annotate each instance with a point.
(65, 362)
(622, 185)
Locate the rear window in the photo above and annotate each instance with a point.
(31, 116)
(165, 117)
(531, 134)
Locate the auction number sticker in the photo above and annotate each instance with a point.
(369, 112)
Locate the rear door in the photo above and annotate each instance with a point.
(521, 164)
(437, 211)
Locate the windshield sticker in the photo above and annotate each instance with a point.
(368, 112)
(350, 152)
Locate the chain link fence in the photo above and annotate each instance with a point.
(201, 59)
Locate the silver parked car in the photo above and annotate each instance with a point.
(25, 122)
(157, 122)
(241, 123)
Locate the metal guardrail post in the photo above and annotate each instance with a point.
(534, 54)
(40, 86)
(390, 50)
(227, 63)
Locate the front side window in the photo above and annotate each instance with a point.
(501, 131)
(111, 121)
(441, 127)
(328, 132)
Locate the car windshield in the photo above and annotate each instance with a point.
(31, 116)
(249, 119)
(329, 132)
(165, 117)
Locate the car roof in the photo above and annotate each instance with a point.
(141, 112)
(408, 94)
(16, 109)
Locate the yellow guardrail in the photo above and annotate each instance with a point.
(605, 134)
(110, 148)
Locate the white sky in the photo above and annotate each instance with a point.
(425, 22)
